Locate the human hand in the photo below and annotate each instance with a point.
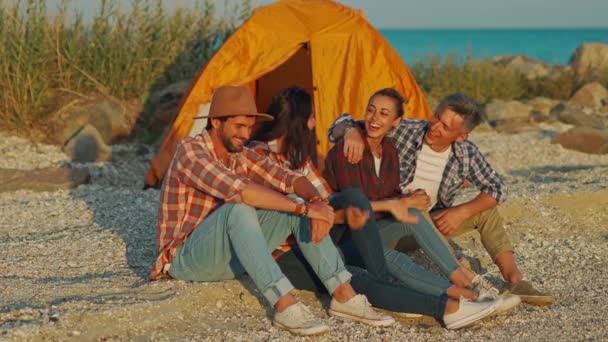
(448, 220)
(353, 145)
(321, 220)
(418, 199)
(355, 218)
(399, 210)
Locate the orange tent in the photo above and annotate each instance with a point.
(328, 48)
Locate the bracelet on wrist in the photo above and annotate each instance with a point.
(315, 199)
(301, 209)
(305, 213)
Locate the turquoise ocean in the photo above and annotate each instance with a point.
(554, 46)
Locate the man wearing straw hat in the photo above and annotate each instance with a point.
(218, 221)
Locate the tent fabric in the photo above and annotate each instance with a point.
(349, 60)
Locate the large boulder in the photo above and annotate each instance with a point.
(47, 179)
(587, 140)
(498, 110)
(87, 145)
(589, 60)
(592, 95)
(112, 119)
(164, 105)
(572, 114)
(541, 107)
(529, 67)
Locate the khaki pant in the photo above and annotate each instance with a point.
(488, 224)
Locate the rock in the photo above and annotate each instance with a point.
(503, 110)
(47, 179)
(113, 121)
(589, 60)
(542, 105)
(165, 104)
(87, 145)
(529, 67)
(585, 140)
(515, 125)
(592, 95)
(484, 126)
(573, 115)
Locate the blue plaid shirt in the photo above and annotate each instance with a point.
(465, 162)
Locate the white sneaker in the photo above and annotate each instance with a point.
(297, 319)
(359, 309)
(469, 312)
(506, 300)
(484, 288)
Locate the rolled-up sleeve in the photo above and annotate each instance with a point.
(486, 179)
(341, 119)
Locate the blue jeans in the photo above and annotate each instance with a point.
(402, 267)
(237, 238)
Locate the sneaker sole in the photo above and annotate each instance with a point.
(304, 331)
(470, 320)
(372, 322)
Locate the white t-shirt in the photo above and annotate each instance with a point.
(377, 162)
(429, 171)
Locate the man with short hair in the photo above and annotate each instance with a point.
(436, 159)
(216, 222)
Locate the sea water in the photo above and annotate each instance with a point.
(553, 46)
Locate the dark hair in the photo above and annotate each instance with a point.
(291, 109)
(393, 94)
(209, 126)
(465, 106)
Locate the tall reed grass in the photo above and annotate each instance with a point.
(479, 78)
(122, 52)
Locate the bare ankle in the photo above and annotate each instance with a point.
(344, 293)
(451, 306)
(284, 302)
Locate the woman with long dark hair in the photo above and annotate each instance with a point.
(289, 140)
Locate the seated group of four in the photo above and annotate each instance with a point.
(227, 209)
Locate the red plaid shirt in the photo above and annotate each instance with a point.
(196, 183)
(342, 175)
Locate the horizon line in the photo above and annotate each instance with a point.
(492, 28)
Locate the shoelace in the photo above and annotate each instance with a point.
(306, 312)
(486, 286)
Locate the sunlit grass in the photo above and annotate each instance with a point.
(124, 53)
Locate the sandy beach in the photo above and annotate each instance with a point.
(75, 262)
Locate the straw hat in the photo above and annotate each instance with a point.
(233, 101)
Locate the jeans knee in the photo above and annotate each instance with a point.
(356, 197)
(238, 212)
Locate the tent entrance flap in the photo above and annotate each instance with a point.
(296, 71)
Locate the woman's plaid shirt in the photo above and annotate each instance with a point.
(465, 162)
(197, 183)
(308, 170)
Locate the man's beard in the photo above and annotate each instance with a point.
(228, 144)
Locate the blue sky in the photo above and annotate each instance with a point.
(451, 13)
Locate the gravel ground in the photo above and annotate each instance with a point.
(74, 262)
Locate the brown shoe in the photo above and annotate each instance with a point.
(529, 294)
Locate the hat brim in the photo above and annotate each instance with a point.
(260, 116)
